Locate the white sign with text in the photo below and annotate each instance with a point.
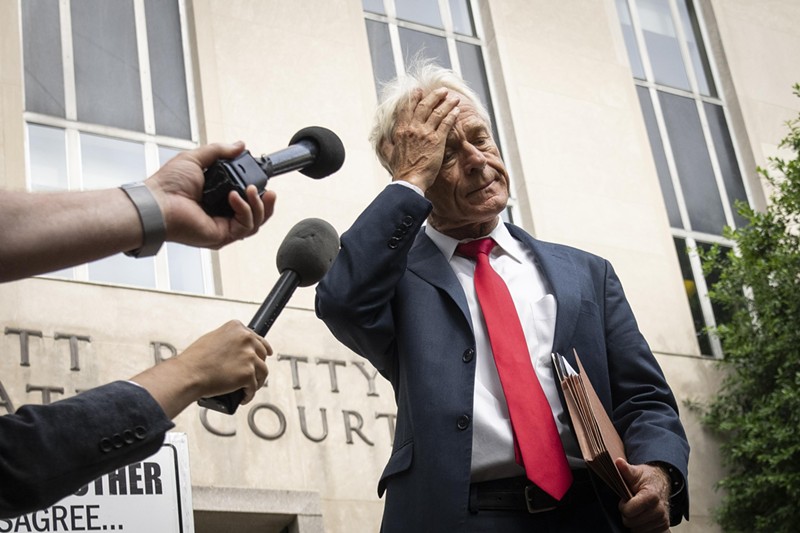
(151, 496)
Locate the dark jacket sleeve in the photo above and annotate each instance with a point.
(644, 403)
(354, 299)
(48, 452)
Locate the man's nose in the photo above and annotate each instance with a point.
(474, 159)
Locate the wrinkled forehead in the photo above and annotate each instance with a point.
(470, 118)
(466, 100)
(468, 104)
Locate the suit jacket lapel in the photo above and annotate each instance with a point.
(427, 261)
(560, 272)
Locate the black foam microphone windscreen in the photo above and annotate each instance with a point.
(309, 249)
(304, 256)
(329, 155)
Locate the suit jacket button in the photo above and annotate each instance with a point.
(117, 441)
(408, 220)
(393, 242)
(105, 445)
(140, 432)
(468, 355)
(463, 422)
(127, 436)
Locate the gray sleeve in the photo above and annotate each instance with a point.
(48, 452)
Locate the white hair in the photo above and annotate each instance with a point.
(422, 74)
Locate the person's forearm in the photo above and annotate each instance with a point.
(226, 359)
(170, 385)
(57, 230)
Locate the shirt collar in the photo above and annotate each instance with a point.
(509, 245)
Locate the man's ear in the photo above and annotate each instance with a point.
(387, 147)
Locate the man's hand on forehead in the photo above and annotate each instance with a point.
(419, 135)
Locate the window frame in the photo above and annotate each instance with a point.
(149, 139)
(690, 236)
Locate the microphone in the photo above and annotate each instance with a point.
(304, 256)
(314, 151)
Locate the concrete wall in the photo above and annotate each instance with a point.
(12, 138)
(761, 43)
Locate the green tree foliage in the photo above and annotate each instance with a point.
(757, 411)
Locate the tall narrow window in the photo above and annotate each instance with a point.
(444, 31)
(108, 101)
(693, 150)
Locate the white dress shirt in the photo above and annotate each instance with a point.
(492, 437)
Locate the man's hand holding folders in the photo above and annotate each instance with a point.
(603, 449)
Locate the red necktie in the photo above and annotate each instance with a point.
(535, 432)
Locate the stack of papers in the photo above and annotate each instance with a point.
(598, 439)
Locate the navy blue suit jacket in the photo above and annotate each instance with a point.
(48, 452)
(391, 297)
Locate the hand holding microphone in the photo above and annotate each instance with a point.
(228, 357)
(192, 191)
(177, 188)
(305, 255)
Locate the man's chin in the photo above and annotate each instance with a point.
(492, 205)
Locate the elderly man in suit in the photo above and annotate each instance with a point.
(461, 316)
